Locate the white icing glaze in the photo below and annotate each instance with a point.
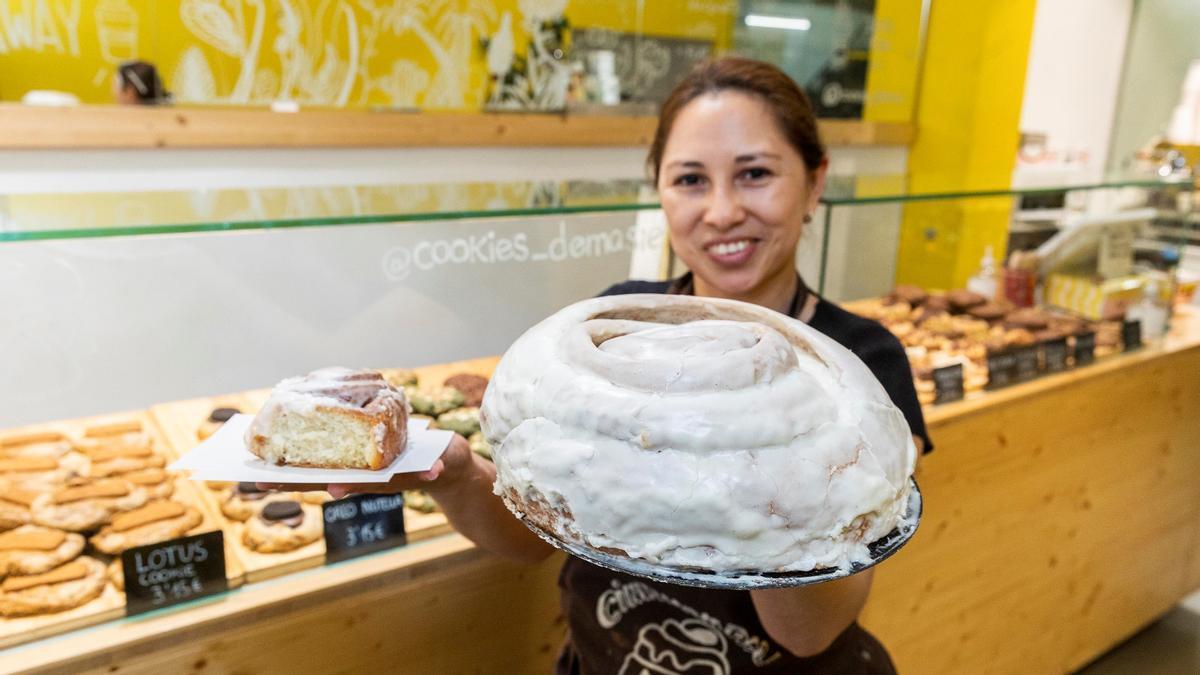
(700, 433)
(332, 387)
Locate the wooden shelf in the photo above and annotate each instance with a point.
(113, 127)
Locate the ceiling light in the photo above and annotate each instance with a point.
(784, 22)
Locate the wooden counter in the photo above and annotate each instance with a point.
(1060, 517)
(96, 126)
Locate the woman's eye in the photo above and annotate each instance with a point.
(689, 180)
(756, 173)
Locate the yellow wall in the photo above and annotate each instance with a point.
(895, 61)
(967, 134)
(353, 53)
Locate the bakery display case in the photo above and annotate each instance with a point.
(139, 322)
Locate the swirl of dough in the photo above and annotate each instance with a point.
(697, 434)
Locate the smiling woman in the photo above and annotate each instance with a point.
(739, 167)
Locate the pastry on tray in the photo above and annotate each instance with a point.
(283, 525)
(150, 524)
(463, 421)
(55, 448)
(245, 499)
(215, 420)
(157, 483)
(332, 418)
(32, 549)
(420, 501)
(479, 445)
(65, 587)
(86, 505)
(119, 461)
(116, 574)
(34, 472)
(470, 385)
(433, 400)
(14, 506)
(316, 497)
(400, 377)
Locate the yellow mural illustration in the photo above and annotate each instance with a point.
(341, 53)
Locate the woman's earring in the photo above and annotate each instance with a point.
(807, 218)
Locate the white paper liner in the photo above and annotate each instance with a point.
(224, 457)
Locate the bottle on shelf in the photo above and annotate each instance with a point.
(984, 281)
(1151, 312)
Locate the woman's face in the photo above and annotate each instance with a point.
(735, 193)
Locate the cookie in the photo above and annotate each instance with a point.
(33, 472)
(216, 419)
(419, 500)
(317, 498)
(157, 483)
(65, 587)
(988, 311)
(464, 421)
(56, 448)
(244, 500)
(114, 443)
(121, 464)
(400, 377)
(434, 400)
(283, 525)
(88, 505)
(479, 445)
(116, 574)
(961, 299)
(152, 523)
(31, 549)
(1029, 318)
(936, 304)
(913, 295)
(14, 506)
(471, 386)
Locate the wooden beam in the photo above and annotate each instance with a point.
(113, 127)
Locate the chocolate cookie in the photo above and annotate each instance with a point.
(471, 386)
(216, 418)
(283, 525)
(913, 295)
(961, 299)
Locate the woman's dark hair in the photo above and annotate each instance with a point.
(787, 102)
(143, 78)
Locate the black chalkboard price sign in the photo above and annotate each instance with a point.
(1085, 349)
(1002, 369)
(948, 383)
(175, 571)
(362, 524)
(1131, 335)
(1054, 355)
(1028, 365)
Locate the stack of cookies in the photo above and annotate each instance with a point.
(71, 502)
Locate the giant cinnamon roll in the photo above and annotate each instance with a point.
(697, 434)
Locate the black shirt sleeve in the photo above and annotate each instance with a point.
(882, 353)
(886, 358)
(633, 286)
